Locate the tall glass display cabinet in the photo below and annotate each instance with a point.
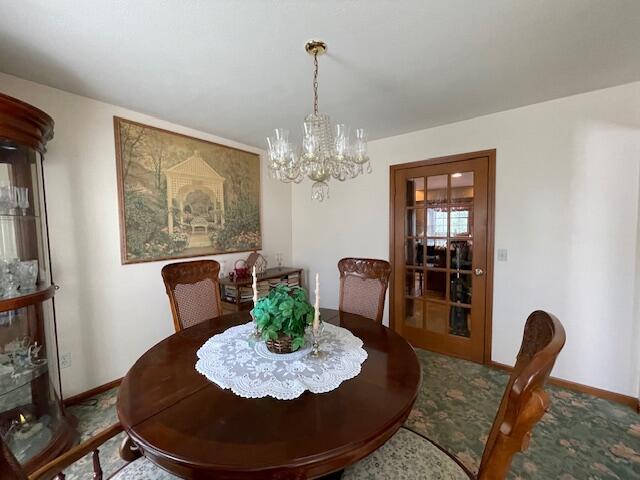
(33, 422)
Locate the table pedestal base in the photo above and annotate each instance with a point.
(333, 476)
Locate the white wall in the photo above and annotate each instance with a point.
(109, 314)
(567, 193)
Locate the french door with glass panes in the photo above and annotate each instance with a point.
(440, 219)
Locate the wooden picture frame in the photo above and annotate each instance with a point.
(182, 197)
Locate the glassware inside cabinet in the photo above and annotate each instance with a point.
(29, 414)
(19, 182)
(22, 253)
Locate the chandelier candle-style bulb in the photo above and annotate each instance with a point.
(326, 151)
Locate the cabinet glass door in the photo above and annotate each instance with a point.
(31, 415)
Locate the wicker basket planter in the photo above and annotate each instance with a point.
(281, 345)
(285, 313)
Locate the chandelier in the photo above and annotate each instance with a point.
(326, 152)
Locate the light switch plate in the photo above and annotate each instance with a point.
(502, 255)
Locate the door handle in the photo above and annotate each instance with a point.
(478, 272)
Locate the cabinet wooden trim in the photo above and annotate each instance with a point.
(24, 124)
(39, 295)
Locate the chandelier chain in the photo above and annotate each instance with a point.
(315, 83)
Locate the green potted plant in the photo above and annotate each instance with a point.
(282, 317)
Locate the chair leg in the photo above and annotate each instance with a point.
(129, 451)
(97, 469)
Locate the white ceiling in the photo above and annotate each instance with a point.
(238, 69)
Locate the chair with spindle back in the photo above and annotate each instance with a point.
(523, 404)
(194, 291)
(10, 469)
(363, 286)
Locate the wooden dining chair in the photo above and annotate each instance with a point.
(194, 291)
(523, 404)
(10, 468)
(363, 286)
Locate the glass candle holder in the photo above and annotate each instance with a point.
(316, 335)
(254, 336)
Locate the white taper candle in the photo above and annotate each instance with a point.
(255, 286)
(316, 316)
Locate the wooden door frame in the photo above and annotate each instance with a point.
(491, 189)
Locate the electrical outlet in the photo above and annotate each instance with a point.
(502, 255)
(65, 360)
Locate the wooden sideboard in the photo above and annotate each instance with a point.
(237, 294)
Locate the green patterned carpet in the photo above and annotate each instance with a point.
(582, 438)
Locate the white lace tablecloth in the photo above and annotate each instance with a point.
(232, 361)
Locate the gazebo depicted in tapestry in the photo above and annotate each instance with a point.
(195, 191)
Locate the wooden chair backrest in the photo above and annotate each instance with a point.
(524, 401)
(363, 286)
(194, 291)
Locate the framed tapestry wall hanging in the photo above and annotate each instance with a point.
(180, 196)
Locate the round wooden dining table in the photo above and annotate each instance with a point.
(194, 429)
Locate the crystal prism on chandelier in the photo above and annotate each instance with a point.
(326, 152)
